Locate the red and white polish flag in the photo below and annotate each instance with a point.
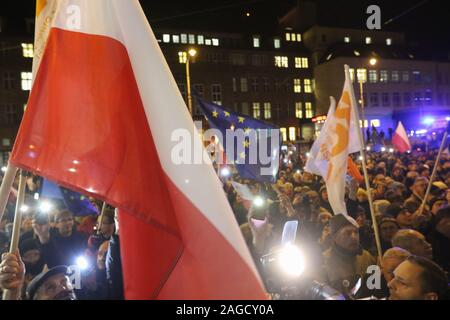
(99, 120)
(400, 139)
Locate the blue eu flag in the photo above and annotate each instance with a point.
(252, 145)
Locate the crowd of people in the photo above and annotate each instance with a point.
(339, 251)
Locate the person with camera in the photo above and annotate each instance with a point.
(63, 244)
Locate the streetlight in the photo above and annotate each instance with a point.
(191, 54)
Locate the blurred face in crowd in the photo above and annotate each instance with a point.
(419, 187)
(324, 195)
(64, 224)
(412, 167)
(388, 267)
(30, 257)
(404, 218)
(361, 219)
(348, 238)
(307, 177)
(407, 283)
(57, 287)
(101, 257)
(443, 227)
(107, 227)
(27, 225)
(324, 217)
(388, 230)
(437, 205)
(420, 247)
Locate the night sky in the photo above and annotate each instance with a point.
(428, 24)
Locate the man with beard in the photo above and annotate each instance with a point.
(345, 260)
(418, 278)
(53, 284)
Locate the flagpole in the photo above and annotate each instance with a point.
(8, 294)
(102, 214)
(5, 188)
(433, 174)
(366, 176)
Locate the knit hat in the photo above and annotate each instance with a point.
(340, 221)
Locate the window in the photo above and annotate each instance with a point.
(297, 86)
(27, 50)
(256, 41)
(288, 37)
(362, 75)
(308, 110)
(277, 43)
(295, 37)
(299, 37)
(368, 40)
(8, 80)
(373, 76)
(281, 62)
(184, 38)
(208, 42)
(254, 84)
(374, 100)
(384, 76)
(375, 123)
(283, 134)
(347, 39)
(301, 62)
(352, 74)
(237, 59)
(395, 76)
(396, 99)
(245, 108)
(405, 76)
(407, 99)
(191, 39)
(292, 134)
(26, 80)
(298, 110)
(267, 110)
(385, 99)
(175, 38)
(266, 86)
(417, 99)
(200, 40)
(417, 76)
(6, 142)
(166, 38)
(182, 57)
(308, 86)
(256, 110)
(216, 93)
(388, 41)
(244, 85)
(215, 42)
(234, 85)
(259, 60)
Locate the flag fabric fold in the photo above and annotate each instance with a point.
(338, 138)
(100, 119)
(400, 139)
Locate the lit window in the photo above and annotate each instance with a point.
(256, 110)
(277, 43)
(281, 62)
(182, 57)
(298, 110)
(305, 63)
(384, 76)
(352, 74)
(208, 42)
(308, 110)
(26, 80)
(166, 38)
(28, 50)
(297, 86)
(368, 40)
(373, 76)
(395, 76)
(191, 39)
(184, 38)
(200, 39)
(361, 123)
(347, 39)
(216, 93)
(298, 62)
(244, 85)
(375, 123)
(388, 41)
(292, 133)
(362, 75)
(299, 37)
(256, 41)
(405, 76)
(283, 134)
(176, 38)
(374, 99)
(215, 42)
(308, 87)
(288, 37)
(267, 110)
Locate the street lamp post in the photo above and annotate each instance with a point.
(191, 53)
